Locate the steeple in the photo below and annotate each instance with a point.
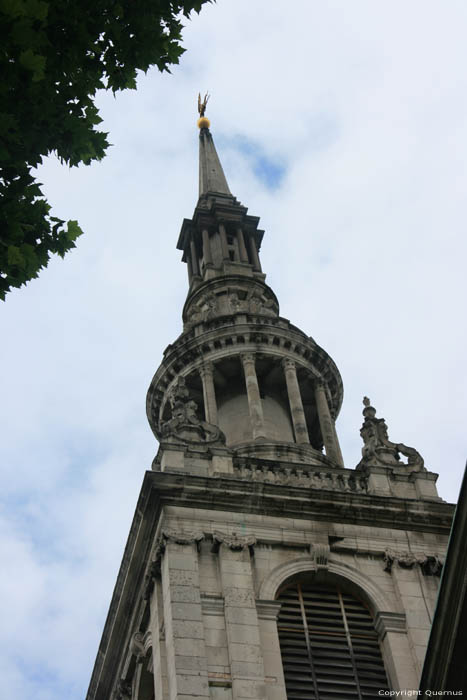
(244, 406)
(211, 174)
(259, 379)
(221, 240)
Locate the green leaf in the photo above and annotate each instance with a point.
(34, 63)
(73, 230)
(15, 257)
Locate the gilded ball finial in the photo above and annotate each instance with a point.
(203, 122)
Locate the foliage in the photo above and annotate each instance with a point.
(54, 56)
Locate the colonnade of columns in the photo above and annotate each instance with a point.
(243, 243)
(255, 406)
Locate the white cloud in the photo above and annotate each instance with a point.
(365, 104)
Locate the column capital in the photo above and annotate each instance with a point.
(233, 541)
(183, 537)
(248, 358)
(288, 363)
(206, 368)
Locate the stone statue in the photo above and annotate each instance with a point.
(378, 450)
(185, 426)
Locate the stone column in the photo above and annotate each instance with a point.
(209, 393)
(254, 254)
(194, 258)
(254, 399)
(184, 630)
(207, 248)
(224, 246)
(241, 618)
(328, 429)
(295, 401)
(241, 246)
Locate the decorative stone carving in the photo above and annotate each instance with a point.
(259, 304)
(185, 426)
(229, 301)
(407, 561)
(235, 303)
(137, 646)
(183, 537)
(285, 476)
(234, 542)
(154, 568)
(320, 554)
(431, 565)
(123, 690)
(378, 450)
(204, 308)
(388, 558)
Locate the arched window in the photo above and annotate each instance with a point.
(329, 646)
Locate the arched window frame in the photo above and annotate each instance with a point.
(390, 623)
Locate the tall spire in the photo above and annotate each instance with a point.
(211, 175)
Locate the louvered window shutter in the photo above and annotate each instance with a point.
(330, 649)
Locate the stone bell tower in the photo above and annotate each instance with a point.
(258, 565)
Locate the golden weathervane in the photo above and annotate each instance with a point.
(203, 122)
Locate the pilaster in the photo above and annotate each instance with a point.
(392, 631)
(159, 659)
(186, 653)
(268, 611)
(242, 626)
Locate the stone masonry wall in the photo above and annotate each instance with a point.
(218, 592)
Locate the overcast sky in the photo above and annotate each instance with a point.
(343, 126)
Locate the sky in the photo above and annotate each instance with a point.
(343, 125)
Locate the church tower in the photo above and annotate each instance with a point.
(258, 564)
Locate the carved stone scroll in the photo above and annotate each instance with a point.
(320, 555)
(137, 646)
